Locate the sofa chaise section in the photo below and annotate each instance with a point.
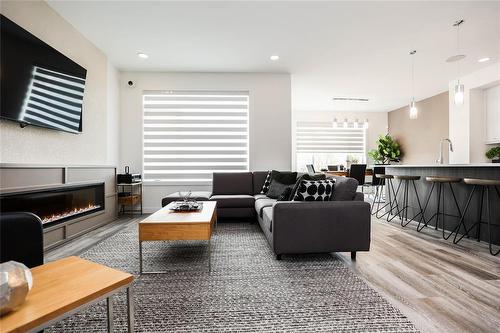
(234, 194)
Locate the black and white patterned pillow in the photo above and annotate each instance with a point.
(314, 190)
(267, 182)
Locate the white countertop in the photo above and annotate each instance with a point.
(473, 165)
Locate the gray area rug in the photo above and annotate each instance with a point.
(246, 291)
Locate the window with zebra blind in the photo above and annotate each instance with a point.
(324, 143)
(189, 135)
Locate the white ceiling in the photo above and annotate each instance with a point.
(347, 49)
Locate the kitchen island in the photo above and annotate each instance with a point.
(479, 170)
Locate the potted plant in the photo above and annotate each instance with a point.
(388, 150)
(494, 154)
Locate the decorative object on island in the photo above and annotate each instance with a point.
(15, 283)
(388, 150)
(494, 154)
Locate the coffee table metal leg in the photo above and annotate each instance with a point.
(140, 257)
(130, 308)
(109, 306)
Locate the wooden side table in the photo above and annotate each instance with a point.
(64, 287)
(130, 195)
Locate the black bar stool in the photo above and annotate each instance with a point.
(378, 184)
(485, 185)
(403, 212)
(386, 182)
(441, 199)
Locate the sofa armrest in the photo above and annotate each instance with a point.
(314, 227)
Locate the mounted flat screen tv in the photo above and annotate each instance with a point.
(39, 85)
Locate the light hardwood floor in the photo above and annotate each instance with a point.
(441, 287)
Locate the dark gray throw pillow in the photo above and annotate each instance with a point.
(286, 177)
(276, 189)
(279, 182)
(285, 196)
(345, 189)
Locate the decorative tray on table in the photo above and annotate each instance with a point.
(186, 206)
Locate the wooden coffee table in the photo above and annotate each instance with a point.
(167, 225)
(64, 287)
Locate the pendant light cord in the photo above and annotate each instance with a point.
(412, 54)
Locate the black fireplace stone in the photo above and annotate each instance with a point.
(58, 204)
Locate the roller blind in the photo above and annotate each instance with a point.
(323, 137)
(189, 135)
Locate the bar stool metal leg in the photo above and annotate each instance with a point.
(462, 220)
(488, 208)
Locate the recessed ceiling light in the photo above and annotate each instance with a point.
(274, 57)
(485, 59)
(142, 55)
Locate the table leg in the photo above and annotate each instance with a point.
(130, 308)
(140, 257)
(109, 306)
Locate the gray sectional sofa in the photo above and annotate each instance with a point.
(294, 227)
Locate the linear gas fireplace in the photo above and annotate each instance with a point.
(56, 205)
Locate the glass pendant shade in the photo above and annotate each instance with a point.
(413, 110)
(459, 94)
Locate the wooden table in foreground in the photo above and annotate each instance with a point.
(167, 225)
(64, 287)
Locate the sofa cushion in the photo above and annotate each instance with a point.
(233, 201)
(226, 183)
(267, 217)
(314, 190)
(258, 180)
(263, 203)
(176, 196)
(260, 196)
(345, 188)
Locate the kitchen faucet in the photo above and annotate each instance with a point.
(440, 159)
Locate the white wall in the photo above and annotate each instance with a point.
(467, 122)
(43, 146)
(378, 124)
(270, 119)
(113, 119)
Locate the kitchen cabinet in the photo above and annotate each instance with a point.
(492, 101)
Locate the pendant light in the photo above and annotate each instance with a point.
(413, 106)
(459, 87)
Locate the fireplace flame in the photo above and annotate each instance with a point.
(74, 211)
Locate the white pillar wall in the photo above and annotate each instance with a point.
(467, 122)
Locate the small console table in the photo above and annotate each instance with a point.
(130, 195)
